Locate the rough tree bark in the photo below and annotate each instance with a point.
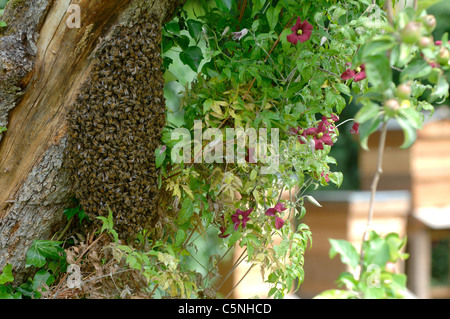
(43, 64)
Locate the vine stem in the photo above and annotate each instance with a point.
(373, 190)
(235, 286)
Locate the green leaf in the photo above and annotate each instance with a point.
(349, 255)
(416, 69)
(377, 252)
(366, 129)
(180, 237)
(342, 88)
(272, 15)
(6, 275)
(3, 24)
(257, 6)
(368, 112)
(192, 56)
(194, 28)
(42, 249)
(378, 45)
(414, 117)
(41, 278)
(409, 132)
(224, 5)
(425, 4)
(378, 71)
(186, 211)
(160, 155)
(440, 90)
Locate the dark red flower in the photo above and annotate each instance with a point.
(357, 74)
(223, 229)
(355, 128)
(279, 222)
(250, 155)
(240, 217)
(301, 32)
(320, 135)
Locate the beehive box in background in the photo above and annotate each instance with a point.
(343, 215)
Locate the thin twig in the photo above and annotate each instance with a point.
(373, 190)
(235, 286)
(390, 11)
(236, 264)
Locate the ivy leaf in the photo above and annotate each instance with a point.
(192, 56)
(6, 275)
(40, 250)
(41, 278)
(3, 24)
(349, 255)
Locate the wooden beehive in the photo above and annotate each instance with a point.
(343, 215)
(424, 168)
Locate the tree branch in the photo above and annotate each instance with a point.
(373, 190)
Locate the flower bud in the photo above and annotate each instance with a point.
(429, 22)
(425, 42)
(443, 56)
(403, 91)
(391, 107)
(412, 32)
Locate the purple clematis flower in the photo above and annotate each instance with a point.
(357, 74)
(275, 211)
(355, 128)
(240, 217)
(320, 135)
(301, 32)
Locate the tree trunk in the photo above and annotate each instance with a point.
(58, 99)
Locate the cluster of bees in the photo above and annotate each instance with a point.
(115, 125)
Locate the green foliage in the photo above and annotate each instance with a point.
(42, 252)
(76, 211)
(108, 225)
(49, 258)
(250, 75)
(377, 280)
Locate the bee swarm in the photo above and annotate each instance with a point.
(115, 125)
